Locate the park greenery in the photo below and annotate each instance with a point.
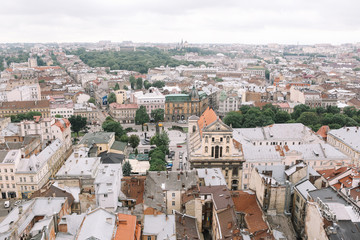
(199, 51)
(157, 155)
(141, 116)
(140, 60)
(78, 123)
(158, 115)
(314, 118)
(110, 125)
(134, 141)
(24, 116)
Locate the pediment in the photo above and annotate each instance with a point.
(217, 126)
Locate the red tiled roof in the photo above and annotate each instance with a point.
(207, 118)
(331, 173)
(62, 124)
(127, 229)
(123, 106)
(246, 203)
(323, 131)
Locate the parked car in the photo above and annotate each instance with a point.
(6, 204)
(17, 202)
(179, 146)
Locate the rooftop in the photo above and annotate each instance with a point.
(348, 135)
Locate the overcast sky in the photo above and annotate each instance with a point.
(197, 21)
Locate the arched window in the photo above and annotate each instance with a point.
(227, 139)
(206, 139)
(206, 149)
(227, 149)
(194, 129)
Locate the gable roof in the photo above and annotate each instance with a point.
(207, 118)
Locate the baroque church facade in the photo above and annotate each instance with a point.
(211, 145)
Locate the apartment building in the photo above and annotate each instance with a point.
(13, 108)
(9, 160)
(124, 113)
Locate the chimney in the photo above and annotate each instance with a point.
(20, 209)
(109, 220)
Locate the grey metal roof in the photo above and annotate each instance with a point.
(304, 187)
(348, 135)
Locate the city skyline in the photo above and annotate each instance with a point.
(255, 22)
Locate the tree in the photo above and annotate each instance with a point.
(92, 100)
(299, 109)
(234, 119)
(78, 123)
(333, 109)
(111, 98)
(161, 139)
(350, 111)
(126, 87)
(157, 165)
(134, 141)
(124, 138)
(308, 118)
(58, 116)
(132, 82)
(282, 117)
(113, 126)
(141, 116)
(139, 83)
(159, 84)
(117, 87)
(147, 84)
(158, 114)
(126, 168)
(267, 74)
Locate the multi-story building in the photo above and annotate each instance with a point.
(87, 110)
(34, 172)
(211, 146)
(124, 113)
(64, 109)
(151, 100)
(306, 96)
(120, 96)
(13, 108)
(9, 161)
(107, 186)
(182, 106)
(347, 140)
(227, 103)
(256, 71)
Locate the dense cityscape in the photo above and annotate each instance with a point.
(148, 141)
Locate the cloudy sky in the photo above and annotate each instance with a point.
(197, 21)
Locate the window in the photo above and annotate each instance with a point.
(206, 139)
(297, 198)
(6, 178)
(5, 170)
(0, 177)
(21, 179)
(12, 177)
(105, 195)
(2, 185)
(24, 179)
(245, 186)
(11, 170)
(149, 238)
(221, 139)
(227, 139)
(173, 203)
(173, 194)
(206, 149)
(31, 179)
(213, 139)
(227, 149)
